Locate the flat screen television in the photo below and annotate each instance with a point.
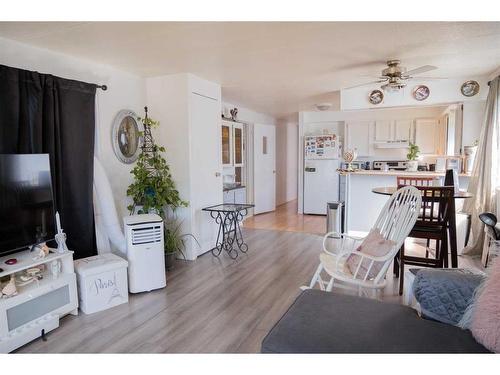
(26, 201)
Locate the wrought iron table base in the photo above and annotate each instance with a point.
(229, 236)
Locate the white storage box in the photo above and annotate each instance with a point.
(102, 282)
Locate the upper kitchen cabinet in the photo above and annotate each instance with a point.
(233, 150)
(238, 144)
(402, 130)
(226, 149)
(427, 135)
(383, 131)
(392, 133)
(358, 137)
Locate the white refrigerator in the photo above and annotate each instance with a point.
(321, 179)
(321, 185)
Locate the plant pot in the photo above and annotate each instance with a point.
(170, 259)
(412, 165)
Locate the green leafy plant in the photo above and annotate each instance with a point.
(153, 187)
(413, 152)
(174, 240)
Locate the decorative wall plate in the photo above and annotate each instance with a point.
(469, 88)
(127, 136)
(376, 97)
(421, 92)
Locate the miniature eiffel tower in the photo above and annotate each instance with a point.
(148, 144)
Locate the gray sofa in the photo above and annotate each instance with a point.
(322, 322)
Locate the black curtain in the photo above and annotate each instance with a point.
(41, 113)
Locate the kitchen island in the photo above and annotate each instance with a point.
(363, 206)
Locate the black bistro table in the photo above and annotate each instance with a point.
(389, 190)
(229, 237)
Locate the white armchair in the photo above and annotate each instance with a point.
(394, 223)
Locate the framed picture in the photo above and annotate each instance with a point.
(376, 97)
(127, 136)
(469, 88)
(421, 92)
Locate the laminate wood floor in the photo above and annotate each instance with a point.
(210, 305)
(286, 218)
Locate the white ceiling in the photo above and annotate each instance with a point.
(272, 67)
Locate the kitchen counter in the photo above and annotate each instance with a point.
(363, 206)
(364, 172)
(232, 187)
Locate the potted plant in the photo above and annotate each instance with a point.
(174, 242)
(412, 163)
(153, 188)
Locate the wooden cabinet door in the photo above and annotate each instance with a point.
(383, 131)
(238, 144)
(402, 130)
(358, 137)
(426, 135)
(226, 145)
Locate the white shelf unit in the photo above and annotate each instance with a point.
(37, 307)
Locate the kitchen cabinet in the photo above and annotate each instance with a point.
(358, 137)
(392, 130)
(383, 131)
(427, 135)
(226, 145)
(235, 196)
(402, 130)
(238, 145)
(233, 149)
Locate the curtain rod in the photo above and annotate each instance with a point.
(102, 87)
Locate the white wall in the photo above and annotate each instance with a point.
(125, 91)
(286, 160)
(248, 115)
(473, 121)
(441, 92)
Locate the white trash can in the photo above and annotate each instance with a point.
(102, 282)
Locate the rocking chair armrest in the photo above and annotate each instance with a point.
(340, 236)
(383, 258)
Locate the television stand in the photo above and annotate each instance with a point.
(36, 308)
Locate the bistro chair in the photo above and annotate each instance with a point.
(432, 224)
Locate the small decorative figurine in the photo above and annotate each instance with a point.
(10, 289)
(60, 236)
(43, 251)
(55, 269)
(234, 113)
(349, 156)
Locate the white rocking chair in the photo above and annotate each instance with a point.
(395, 222)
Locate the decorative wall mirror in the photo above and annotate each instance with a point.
(127, 136)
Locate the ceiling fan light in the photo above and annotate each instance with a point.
(390, 88)
(323, 106)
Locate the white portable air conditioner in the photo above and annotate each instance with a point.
(146, 257)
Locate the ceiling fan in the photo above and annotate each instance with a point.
(395, 76)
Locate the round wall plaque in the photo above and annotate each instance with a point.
(469, 88)
(376, 97)
(421, 92)
(127, 136)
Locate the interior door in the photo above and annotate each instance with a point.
(206, 188)
(264, 146)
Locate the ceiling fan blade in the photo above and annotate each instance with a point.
(422, 69)
(426, 78)
(365, 84)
